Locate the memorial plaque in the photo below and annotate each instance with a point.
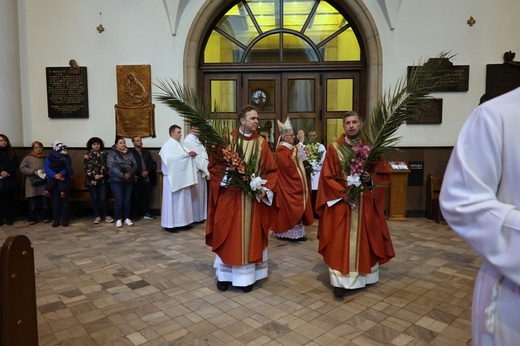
(67, 92)
(134, 109)
(501, 78)
(430, 113)
(450, 78)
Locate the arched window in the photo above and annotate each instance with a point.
(282, 31)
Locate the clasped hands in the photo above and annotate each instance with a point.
(261, 194)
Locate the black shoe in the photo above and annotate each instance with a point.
(223, 285)
(171, 230)
(295, 240)
(247, 289)
(339, 292)
(55, 224)
(9, 222)
(65, 224)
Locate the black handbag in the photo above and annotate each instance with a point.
(36, 181)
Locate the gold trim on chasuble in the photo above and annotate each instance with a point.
(246, 201)
(356, 215)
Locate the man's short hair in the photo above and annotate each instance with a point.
(134, 137)
(352, 114)
(244, 110)
(172, 128)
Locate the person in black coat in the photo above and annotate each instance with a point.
(142, 185)
(9, 163)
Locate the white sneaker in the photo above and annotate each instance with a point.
(109, 219)
(129, 222)
(119, 223)
(97, 220)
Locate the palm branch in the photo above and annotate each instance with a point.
(307, 125)
(194, 109)
(407, 97)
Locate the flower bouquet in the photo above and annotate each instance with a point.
(242, 172)
(312, 161)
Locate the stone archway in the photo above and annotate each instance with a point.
(356, 9)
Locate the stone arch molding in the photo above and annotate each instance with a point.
(357, 10)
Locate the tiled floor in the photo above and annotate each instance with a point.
(139, 285)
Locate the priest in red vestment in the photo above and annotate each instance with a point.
(238, 224)
(293, 196)
(353, 235)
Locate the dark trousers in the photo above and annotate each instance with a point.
(60, 207)
(53, 184)
(37, 208)
(98, 195)
(141, 198)
(122, 193)
(6, 206)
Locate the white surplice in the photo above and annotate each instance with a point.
(180, 173)
(480, 200)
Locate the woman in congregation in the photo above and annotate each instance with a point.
(32, 167)
(8, 165)
(121, 167)
(96, 178)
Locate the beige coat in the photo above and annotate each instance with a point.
(28, 166)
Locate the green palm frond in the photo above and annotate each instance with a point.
(407, 97)
(193, 108)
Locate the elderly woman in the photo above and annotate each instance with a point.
(121, 167)
(32, 167)
(8, 164)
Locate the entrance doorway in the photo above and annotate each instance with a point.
(312, 100)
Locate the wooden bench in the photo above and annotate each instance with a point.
(18, 321)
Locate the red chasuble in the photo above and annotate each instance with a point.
(238, 225)
(345, 249)
(292, 197)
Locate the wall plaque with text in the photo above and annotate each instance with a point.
(450, 77)
(429, 113)
(67, 92)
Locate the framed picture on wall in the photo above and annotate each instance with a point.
(430, 114)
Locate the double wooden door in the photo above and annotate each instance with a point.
(312, 100)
